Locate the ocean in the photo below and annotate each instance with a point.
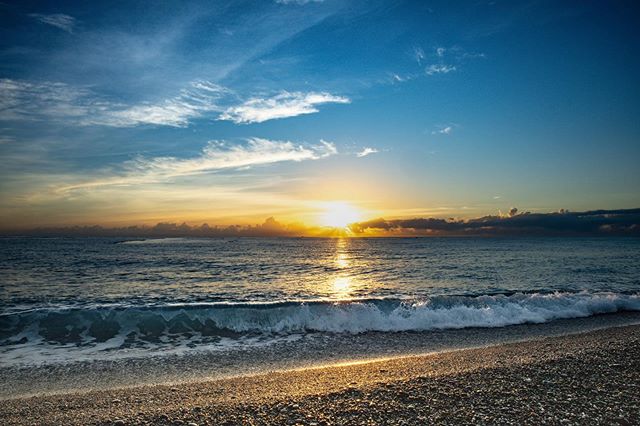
(234, 304)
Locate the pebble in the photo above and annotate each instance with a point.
(598, 385)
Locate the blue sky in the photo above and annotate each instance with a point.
(230, 112)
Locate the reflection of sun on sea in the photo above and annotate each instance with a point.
(342, 260)
(342, 286)
(339, 214)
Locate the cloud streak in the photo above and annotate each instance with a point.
(59, 20)
(22, 100)
(283, 105)
(202, 97)
(366, 151)
(445, 130)
(418, 55)
(216, 156)
(26, 100)
(439, 69)
(445, 60)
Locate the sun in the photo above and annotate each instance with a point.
(338, 214)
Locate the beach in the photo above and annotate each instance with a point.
(319, 212)
(586, 378)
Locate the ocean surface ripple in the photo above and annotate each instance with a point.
(66, 299)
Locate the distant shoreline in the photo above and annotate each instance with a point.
(573, 377)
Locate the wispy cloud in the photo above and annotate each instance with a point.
(217, 155)
(443, 130)
(395, 78)
(439, 69)
(283, 105)
(24, 100)
(445, 60)
(27, 100)
(457, 53)
(366, 151)
(59, 20)
(200, 98)
(418, 55)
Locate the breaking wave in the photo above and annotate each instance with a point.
(128, 325)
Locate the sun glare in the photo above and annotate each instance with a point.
(339, 215)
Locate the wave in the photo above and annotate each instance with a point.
(124, 325)
(167, 240)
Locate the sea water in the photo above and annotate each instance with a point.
(66, 300)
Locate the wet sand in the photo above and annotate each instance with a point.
(589, 378)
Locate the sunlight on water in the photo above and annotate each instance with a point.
(112, 297)
(342, 284)
(342, 287)
(342, 261)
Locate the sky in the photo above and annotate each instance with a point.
(231, 112)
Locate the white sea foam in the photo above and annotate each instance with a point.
(59, 335)
(176, 240)
(436, 313)
(171, 323)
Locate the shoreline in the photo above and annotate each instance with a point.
(590, 377)
(308, 351)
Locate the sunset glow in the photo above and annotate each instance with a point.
(339, 215)
(195, 195)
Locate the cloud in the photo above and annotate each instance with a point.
(216, 155)
(594, 223)
(457, 53)
(439, 69)
(366, 151)
(269, 228)
(58, 20)
(200, 98)
(449, 59)
(395, 78)
(418, 54)
(26, 100)
(283, 105)
(445, 130)
(563, 222)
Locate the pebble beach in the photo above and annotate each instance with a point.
(587, 378)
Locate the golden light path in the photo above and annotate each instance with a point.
(342, 283)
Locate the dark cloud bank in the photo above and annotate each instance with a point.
(561, 223)
(596, 222)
